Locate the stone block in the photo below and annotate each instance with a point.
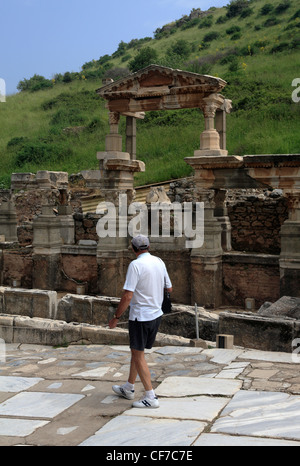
(6, 328)
(225, 341)
(50, 179)
(75, 308)
(198, 343)
(31, 303)
(104, 309)
(102, 336)
(250, 304)
(22, 181)
(261, 333)
(44, 331)
(286, 306)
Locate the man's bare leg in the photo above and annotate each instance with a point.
(139, 366)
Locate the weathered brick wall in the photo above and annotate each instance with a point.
(245, 276)
(85, 227)
(256, 221)
(256, 215)
(78, 269)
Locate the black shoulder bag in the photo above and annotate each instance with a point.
(166, 305)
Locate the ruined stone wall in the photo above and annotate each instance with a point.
(250, 276)
(251, 270)
(256, 219)
(79, 269)
(256, 216)
(85, 226)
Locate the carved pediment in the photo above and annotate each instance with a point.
(157, 88)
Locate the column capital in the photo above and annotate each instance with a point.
(114, 118)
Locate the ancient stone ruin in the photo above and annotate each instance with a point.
(251, 247)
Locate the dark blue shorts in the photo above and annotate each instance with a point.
(142, 334)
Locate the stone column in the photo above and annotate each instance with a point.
(8, 221)
(117, 177)
(67, 224)
(131, 136)
(221, 214)
(46, 250)
(206, 262)
(221, 122)
(113, 141)
(210, 138)
(112, 252)
(290, 248)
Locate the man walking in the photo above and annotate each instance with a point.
(146, 280)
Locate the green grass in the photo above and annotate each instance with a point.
(264, 119)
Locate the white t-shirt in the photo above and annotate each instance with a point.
(147, 277)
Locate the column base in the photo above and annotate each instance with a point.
(210, 152)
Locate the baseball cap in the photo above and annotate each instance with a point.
(141, 242)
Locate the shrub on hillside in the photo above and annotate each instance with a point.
(206, 22)
(211, 36)
(222, 20)
(37, 152)
(34, 84)
(272, 21)
(145, 57)
(282, 7)
(236, 7)
(181, 48)
(16, 142)
(266, 9)
(233, 30)
(68, 117)
(246, 12)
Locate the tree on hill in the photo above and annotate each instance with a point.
(147, 56)
(236, 7)
(35, 83)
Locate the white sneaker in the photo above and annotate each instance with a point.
(146, 403)
(121, 391)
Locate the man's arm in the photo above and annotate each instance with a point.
(123, 305)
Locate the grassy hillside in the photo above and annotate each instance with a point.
(60, 124)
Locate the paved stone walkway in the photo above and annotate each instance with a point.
(63, 397)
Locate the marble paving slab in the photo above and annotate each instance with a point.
(232, 370)
(94, 373)
(19, 427)
(17, 384)
(187, 386)
(261, 414)
(145, 431)
(223, 356)
(199, 408)
(222, 440)
(38, 404)
(178, 350)
(267, 356)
